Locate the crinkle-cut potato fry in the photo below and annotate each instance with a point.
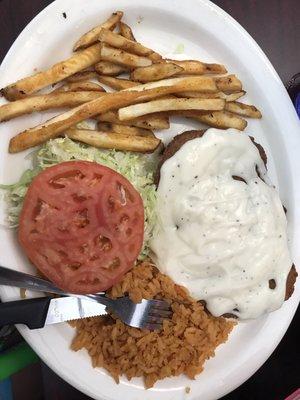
(122, 57)
(56, 73)
(109, 68)
(120, 42)
(245, 110)
(46, 102)
(116, 83)
(124, 129)
(82, 86)
(117, 141)
(82, 76)
(228, 83)
(155, 72)
(137, 110)
(190, 83)
(194, 67)
(152, 122)
(126, 31)
(220, 119)
(109, 101)
(217, 95)
(91, 37)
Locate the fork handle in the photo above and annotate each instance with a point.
(9, 277)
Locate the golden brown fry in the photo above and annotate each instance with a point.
(55, 126)
(155, 72)
(82, 86)
(110, 68)
(117, 83)
(245, 110)
(194, 67)
(91, 37)
(117, 141)
(190, 83)
(153, 121)
(155, 57)
(229, 83)
(124, 129)
(217, 95)
(45, 102)
(137, 110)
(121, 57)
(120, 42)
(220, 119)
(126, 31)
(56, 73)
(82, 76)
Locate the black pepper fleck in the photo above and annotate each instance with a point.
(64, 15)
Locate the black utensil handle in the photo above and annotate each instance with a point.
(31, 312)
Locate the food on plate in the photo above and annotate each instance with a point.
(82, 76)
(117, 83)
(224, 229)
(219, 119)
(126, 31)
(120, 42)
(79, 87)
(109, 68)
(181, 347)
(194, 67)
(126, 129)
(155, 72)
(122, 57)
(152, 121)
(82, 225)
(56, 73)
(46, 102)
(245, 110)
(89, 216)
(137, 110)
(114, 140)
(91, 36)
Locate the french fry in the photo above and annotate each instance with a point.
(137, 110)
(155, 72)
(124, 129)
(229, 83)
(121, 57)
(109, 101)
(194, 67)
(116, 83)
(218, 95)
(220, 119)
(117, 141)
(45, 102)
(56, 73)
(82, 76)
(109, 68)
(120, 42)
(91, 37)
(126, 31)
(190, 83)
(83, 86)
(153, 121)
(245, 110)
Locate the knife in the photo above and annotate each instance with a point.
(38, 312)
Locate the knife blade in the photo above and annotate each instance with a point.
(38, 312)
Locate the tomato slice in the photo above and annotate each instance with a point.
(82, 225)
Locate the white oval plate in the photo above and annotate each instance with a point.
(208, 33)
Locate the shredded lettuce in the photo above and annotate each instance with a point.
(137, 168)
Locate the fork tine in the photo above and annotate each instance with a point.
(162, 304)
(152, 326)
(160, 312)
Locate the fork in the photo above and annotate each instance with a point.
(148, 314)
